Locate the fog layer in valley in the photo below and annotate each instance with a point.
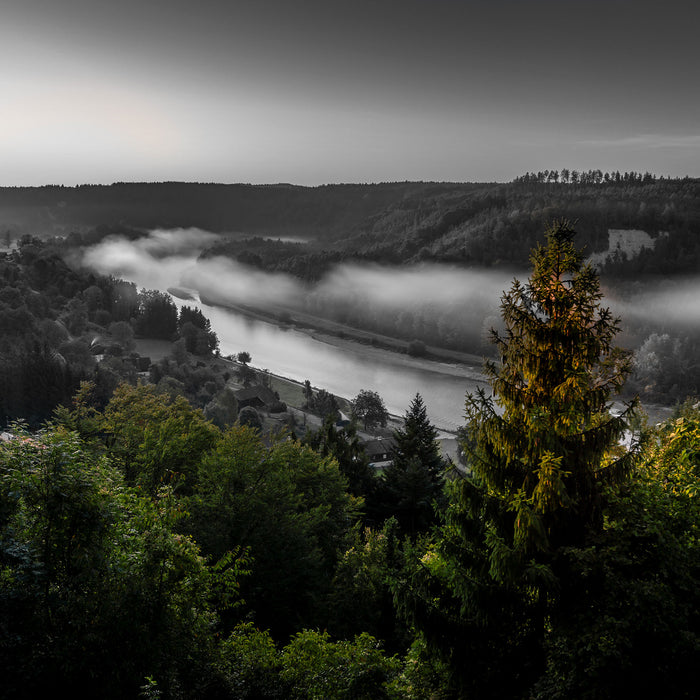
(669, 303)
(421, 301)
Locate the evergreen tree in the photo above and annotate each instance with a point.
(540, 450)
(546, 441)
(418, 438)
(413, 484)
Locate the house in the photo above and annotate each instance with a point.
(257, 396)
(380, 452)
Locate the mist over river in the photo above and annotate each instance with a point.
(167, 259)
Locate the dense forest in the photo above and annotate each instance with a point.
(155, 544)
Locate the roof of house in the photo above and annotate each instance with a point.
(379, 446)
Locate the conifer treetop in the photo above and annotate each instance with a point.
(546, 439)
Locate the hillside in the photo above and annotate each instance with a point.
(280, 209)
(487, 224)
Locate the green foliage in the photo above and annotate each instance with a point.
(412, 486)
(310, 666)
(316, 668)
(361, 599)
(83, 418)
(250, 665)
(284, 503)
(539, 451)
(156, 439)
(552, 575)
(629, 622)
(543, 455)
(97, 590)
(423, 676)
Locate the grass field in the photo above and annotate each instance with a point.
(290, 392)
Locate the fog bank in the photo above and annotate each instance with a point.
(433, 302)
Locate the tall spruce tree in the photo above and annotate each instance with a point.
(546, 440)
(418, 438)
(412, 487)
(539, 450)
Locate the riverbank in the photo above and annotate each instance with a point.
(336, 333)
(443, 370)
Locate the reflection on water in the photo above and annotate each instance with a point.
(345, 372)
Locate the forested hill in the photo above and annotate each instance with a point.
(307, 211)
(393, 223)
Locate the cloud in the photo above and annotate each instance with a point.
(418, 285)
(646, 141)
(168, 258)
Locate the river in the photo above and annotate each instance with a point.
(346, 370)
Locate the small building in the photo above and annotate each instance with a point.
(380, 452)
(257, 396)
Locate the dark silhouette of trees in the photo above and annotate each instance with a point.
(369, 408)
(195, 328)
(157, 315)
(344, 445)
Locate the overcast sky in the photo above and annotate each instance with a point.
(314, 92)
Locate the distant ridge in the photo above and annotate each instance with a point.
(397, 223)
(56, 209)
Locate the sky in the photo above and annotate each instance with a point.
(325, 91)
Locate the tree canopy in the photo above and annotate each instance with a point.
(148, 551)
(369, 407)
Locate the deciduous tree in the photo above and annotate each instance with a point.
(369, 407)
